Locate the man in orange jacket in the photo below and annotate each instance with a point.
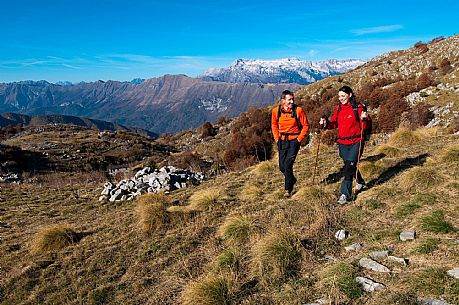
(289, 126)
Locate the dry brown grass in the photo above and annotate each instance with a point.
(276, 256)
(211, 290)
(265, 167)
(235, 229)
(370, 169)
(425, 132)
(152, 213)
(420, 179)
(450, 153)
(205, 199)
(53, 238)
(388, 150)
(250, 192)
(403, 137)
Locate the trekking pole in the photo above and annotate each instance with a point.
(354, 190)
(317, 156)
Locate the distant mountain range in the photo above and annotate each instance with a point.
(165, 104)
(14, 119)
(172, 102)
(288, 70)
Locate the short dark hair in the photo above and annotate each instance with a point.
(285, 93)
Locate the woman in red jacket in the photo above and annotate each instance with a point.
(350, 118)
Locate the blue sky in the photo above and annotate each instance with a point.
(59, 40)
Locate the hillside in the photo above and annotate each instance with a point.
(219, 241)
(14, 119)
(234, 239)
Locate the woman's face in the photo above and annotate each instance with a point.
(344, 97)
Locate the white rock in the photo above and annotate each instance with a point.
(368, 284)
(454, 272)
(341, 235)
(400, 260)
(407, 235)
(379, 254)
(433, 302)
(373, 265)
(353, 247)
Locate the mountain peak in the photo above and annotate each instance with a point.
(283, 70)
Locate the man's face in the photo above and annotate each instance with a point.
(287, 103)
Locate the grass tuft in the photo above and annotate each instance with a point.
(250, 192)
(450, 153)
(370, 169)
(436, 223)
(420, 179)
(265, 167)
(388, 151)
(205, 199)
(427, 247)
(403, 137)
(337, 281)
(235, 229)
(229, 260)
(152, 213)
(276, 256)
(210, 290)
(54, 237)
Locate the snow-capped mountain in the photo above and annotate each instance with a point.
(286, 70)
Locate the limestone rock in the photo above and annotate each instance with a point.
(353, 247)
(407, 235)
(379, 254)
(370, 264)
(368, 284)
(454, 272)
(341, 235)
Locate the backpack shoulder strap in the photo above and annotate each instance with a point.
(279, 111)
(294, 115)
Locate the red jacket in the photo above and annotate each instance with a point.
(287, 125)
(349, 130)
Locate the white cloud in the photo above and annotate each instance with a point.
(377, 29)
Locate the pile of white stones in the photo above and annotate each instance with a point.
(146, 180)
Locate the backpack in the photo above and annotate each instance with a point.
(368, 130)
(297, 120)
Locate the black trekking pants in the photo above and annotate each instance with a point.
(288, 149)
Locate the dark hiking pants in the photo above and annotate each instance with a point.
(288, 149)
(349, 154)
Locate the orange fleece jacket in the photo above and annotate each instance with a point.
(287, 124)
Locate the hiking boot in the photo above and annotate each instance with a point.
(342, 199)
(287, 194)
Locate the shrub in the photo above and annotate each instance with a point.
(151, 212)
(54, 237)
(204, 199)
(403, 137)
(207, 130)
(436, 223)
(210, 290)
(420, 115)
(235, 229)
(276, 257)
